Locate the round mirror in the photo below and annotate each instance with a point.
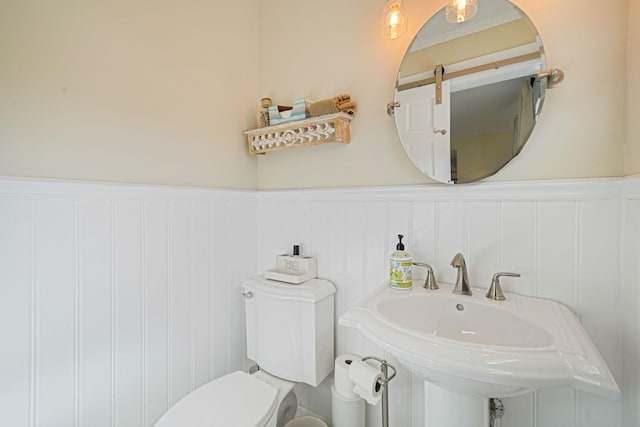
(469, 94)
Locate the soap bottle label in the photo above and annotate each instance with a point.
(400, 273)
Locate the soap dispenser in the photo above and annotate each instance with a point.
(400, 267)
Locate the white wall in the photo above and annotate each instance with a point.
(318, 52)
(563, 237)
(128, 91)
(630, 303)
(101, 286)
(115, 301)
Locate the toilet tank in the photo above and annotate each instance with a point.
(290, 328)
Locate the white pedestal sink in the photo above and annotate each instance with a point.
(469, 348)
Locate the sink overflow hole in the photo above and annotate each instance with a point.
(460, 307)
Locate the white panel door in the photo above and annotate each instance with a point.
(423, 127)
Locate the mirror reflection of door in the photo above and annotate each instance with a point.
(490, 63)
(423, 126)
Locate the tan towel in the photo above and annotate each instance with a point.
(340, 103)
(348, 107)
(322, 108)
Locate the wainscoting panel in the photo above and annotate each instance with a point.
(156, 215)
(17, 301)
(56, 306)
(116, 300)
(630, 304)
(95, 252)
(562, 237)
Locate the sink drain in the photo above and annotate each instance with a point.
(460, 307)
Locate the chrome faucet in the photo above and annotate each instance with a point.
(430, 282)
(462, 282)
(495, 291)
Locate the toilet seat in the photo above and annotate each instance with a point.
(234, 400)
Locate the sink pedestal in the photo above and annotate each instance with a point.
(445, 408)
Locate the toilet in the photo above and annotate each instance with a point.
(289, 331)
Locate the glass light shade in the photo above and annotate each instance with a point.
(395, 24)
(459, 11)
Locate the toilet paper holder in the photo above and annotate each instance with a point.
(384, 368)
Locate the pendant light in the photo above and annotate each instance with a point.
(459, 11)
(395, 23)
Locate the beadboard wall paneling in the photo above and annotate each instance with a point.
(630, 303)
(116, 300)
(17, 311)
(95, 252)
(563, 237)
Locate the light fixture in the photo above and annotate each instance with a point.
(459, 11)
(395, 24)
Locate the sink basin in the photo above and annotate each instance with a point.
(446, 316)
(488, 348)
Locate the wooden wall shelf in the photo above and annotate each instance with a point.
(301, 133)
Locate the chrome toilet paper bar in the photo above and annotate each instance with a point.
(384, 368)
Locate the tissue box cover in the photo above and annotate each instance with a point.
(300, 111)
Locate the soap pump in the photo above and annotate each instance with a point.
(400, 267)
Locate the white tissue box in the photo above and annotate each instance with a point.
(293, 269)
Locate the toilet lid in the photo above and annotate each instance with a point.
(235, 400)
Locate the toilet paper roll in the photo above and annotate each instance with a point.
(367, 380)
(343, 383)
(346, 412)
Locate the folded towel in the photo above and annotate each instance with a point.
(324, 107)
(340, 103)
(347, 107)
(343, 97)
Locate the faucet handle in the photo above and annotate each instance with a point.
(430, 282)
(495, 291)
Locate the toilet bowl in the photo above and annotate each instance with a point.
(289, 332)
(235, 400)
(286, 400)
